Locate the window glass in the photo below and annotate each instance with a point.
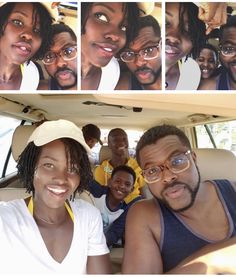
(7, 127)
(224, 135)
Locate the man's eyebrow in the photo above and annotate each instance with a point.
(106, 6)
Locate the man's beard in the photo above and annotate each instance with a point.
(228, 71)
(66, 87)
(193, 193)
(155, 74)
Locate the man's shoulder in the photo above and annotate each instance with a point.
(145, 207)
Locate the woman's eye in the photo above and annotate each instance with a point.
(101, 17)
(17, 22)
(37, 30)
(73, 170)
(123, 28)
(48, 165)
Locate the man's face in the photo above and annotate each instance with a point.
(118, 142)
(176, 191)
(229, 62)
(64, 72)
(121, 185)
(146, 71)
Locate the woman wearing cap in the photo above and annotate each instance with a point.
(52, 232)
(23, 38)
(106, 27)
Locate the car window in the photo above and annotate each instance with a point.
(7, 127)
(223, 134)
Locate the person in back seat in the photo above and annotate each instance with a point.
(51, 231)
(110, 201)
(118, 143)
(186, 225)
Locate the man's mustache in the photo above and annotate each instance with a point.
(64, 69)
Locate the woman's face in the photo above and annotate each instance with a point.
(178, 44)
(207, 62)
(105, 33)
(21, 38)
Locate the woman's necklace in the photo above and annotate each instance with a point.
(46, 221)
(32, 212)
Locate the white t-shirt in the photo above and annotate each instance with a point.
(110, 75)
(23, 251)
(190, 75)
(30, 77)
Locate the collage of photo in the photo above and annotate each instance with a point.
(127, 168)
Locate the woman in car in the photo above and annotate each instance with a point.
(184, 35)
(51, 232)
(208, 61)
(106, 27)
(23, 38)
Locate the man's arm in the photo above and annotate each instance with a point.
(99, 264)
(218, 258)
(141, 252)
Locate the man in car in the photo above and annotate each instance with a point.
(61, 59)
(118, 144)
(110, 201)
(143, 58)
(92, 135)
(188, 221)
(227, 41)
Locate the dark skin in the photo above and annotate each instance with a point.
(120, 186)
(143, 228)
(105, 35)
(20, 42)
(228, 39)
(147, 72)
(118, 143)
(54, 182)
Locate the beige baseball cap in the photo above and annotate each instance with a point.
(146, 7)
(50, 6)
(53, 130)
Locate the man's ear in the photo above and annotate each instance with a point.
(194, 156)
(109, 182)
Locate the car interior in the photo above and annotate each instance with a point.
(136, 111)
(199, 114)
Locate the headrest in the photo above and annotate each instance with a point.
(105, 153)
(20, 138)
(216, 164)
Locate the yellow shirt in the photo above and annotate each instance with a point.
(103, 172)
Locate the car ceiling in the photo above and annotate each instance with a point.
(118, 110)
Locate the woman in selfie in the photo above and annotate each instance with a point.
(23, 38)
(106, 28)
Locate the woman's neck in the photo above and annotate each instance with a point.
(172, 77)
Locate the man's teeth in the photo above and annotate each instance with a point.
(23, 48)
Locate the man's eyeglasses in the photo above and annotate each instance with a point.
(67, 54)
(147, 53)
(176, 164)
(228, 51)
